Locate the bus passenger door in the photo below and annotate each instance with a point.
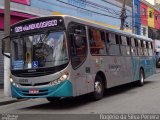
(78, 53)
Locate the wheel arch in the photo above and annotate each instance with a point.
(102, 75)
(141, 68)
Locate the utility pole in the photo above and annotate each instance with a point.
(7, 89)
(133, 16)
(123, 15)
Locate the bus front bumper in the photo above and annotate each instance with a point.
(63, 89)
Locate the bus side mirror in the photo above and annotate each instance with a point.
(6, 49)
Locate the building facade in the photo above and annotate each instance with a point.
(147, 19)
(102, 12)
(144, 19)
(20, 10)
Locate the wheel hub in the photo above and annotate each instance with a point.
(98, 87)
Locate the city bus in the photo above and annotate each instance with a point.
(62, 56)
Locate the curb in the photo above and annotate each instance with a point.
(10, 100)
(6, 102)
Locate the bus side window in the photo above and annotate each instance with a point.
(133, 47)
(97, 42)
(128, 48)
(139, 48)
(123, 45)
(145, 51)
(150, 50)
(142, 47)
(107, 42)
(113, 44)
(78, 44)
(125, 48)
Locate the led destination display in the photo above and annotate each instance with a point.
(36, 24)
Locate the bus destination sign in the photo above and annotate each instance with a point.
(35, 25)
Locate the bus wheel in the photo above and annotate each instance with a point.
(141, 81)
(53, 99)
(98, 88)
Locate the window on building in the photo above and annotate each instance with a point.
(136, 8)
(144, 31)
(150, 14)
(144, 11)
(156, 17)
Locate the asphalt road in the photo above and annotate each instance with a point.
(123, 99)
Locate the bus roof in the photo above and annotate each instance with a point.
(90, 23)
(103, 26)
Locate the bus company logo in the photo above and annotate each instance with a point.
(115, 67)
(32, 70)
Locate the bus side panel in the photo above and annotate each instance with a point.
(135, 68)
(83, 79)
(148, 65)
(126, 75)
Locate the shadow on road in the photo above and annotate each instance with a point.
(70, 103)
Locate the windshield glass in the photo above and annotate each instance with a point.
(41, 50)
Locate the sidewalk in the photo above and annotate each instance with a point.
(7, 100)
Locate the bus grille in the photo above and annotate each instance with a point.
(35, 74)
(36, 84)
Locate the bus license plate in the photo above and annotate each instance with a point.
(33, 91)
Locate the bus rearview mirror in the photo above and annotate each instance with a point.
(6, 49)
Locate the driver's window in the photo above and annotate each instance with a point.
(78, 44)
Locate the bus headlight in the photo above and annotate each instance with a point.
(61, 79)
(11, 80)
(13, 83)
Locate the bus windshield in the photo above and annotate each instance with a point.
(39, 50)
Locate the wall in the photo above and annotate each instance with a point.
(144, 18)
(104, 11)
(157, 22)
(151, 19)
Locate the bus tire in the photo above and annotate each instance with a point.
(98, 88)
(53, 99)
(141, 75)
